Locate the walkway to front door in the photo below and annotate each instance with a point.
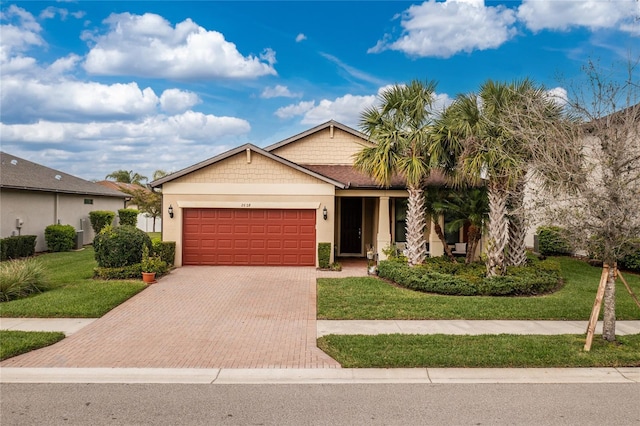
(202, 317)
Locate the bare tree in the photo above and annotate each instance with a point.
(588, 162)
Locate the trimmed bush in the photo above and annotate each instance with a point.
(551, 241)
(165, 250)
(538, 278)
(17, 247)
(122, 273)
(120, 246)
(60, 237)
(128, 217)
(631, 261)
(100, 219)
(20, 278)
(324, 255)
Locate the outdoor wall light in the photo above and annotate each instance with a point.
(324, 213)
(170, 211)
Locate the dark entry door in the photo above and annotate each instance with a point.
(351, 226)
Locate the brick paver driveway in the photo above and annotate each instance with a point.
(202, 317)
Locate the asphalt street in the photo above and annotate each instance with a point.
(321, 404)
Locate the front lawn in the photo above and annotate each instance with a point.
(73, 293)
(371, 298)
(487, 351)
(14, 343)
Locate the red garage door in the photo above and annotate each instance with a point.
(249, 237)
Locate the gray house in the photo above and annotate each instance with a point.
(33, 197)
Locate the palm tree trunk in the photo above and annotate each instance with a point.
(517, 253)
(609, 317)
(472, 244)
(438, 229)
(497, 230)
(416, 250)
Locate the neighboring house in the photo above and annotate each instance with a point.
(145, 221)
(272, 206)
(33, 197)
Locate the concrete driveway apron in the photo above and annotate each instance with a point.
(202, 317)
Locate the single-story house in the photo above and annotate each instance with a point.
(33, 197)
(145, 221)
(274, 205)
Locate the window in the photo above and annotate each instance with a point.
(400, 219)
(88, 200)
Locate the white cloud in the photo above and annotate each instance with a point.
(593, 14)
(147, 45)
(176, 101)
(296, 109)
(300, 37)
(353, 72)
(19, 30)
(559, 95)
(278, 91)
(442, 29)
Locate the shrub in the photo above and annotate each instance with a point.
(540, 277)
(122, 273)
(60, 237)
(17, 247)
(152, 263)
(120, 246)
(552, 242)
(165, 250)
(631, 261)
(100, 219)
(20, 278)
(324, 255)
(128, 217)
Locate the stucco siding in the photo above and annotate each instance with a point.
(38, 210)
(322, 148)
(242, 168)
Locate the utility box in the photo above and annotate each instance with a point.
(79, 239)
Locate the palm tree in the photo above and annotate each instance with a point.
(125, 176)
(487, 149)
(399, 128)
(435, 206)
(470, 207)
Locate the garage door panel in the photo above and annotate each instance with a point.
(249, 237)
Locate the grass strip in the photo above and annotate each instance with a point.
(486, 351)
(372, 298)
(14, 343)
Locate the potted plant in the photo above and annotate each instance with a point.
(151, 265)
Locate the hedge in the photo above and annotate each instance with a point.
(120, 246)
(17, 246)
(324, 255)
(165, 250)
(128, 217)
(551, 241)
(60, 237)
(538, 278)
(100, 219)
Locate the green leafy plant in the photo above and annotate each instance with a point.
(152, 263)
(17, 246)
(128, 217)
(552, 241)
(100, 219)
(60, 237)
(120, 246)
(21, 278)
(324, 255)
(165, 250)
(122, 273)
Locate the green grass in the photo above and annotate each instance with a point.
(372, 298)
(153, 235)
(14, 343)
(73, 293)
(488, 351)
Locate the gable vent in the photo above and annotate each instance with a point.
(14, 162)
(58, 177)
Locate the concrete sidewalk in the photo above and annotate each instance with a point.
(459, 327)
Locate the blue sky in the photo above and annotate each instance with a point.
(93, 87)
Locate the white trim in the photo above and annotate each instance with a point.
(247, 189)
(248, 204)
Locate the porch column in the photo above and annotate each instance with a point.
(435, 245)
(383, 238)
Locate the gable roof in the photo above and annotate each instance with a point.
(231, 153)
(318, 128)
(127, 188)
(17, 173)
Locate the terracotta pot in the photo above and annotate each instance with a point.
(149, 277)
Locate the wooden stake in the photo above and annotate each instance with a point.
(633, 296)
(595, 312)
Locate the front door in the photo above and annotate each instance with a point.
(351, 226)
